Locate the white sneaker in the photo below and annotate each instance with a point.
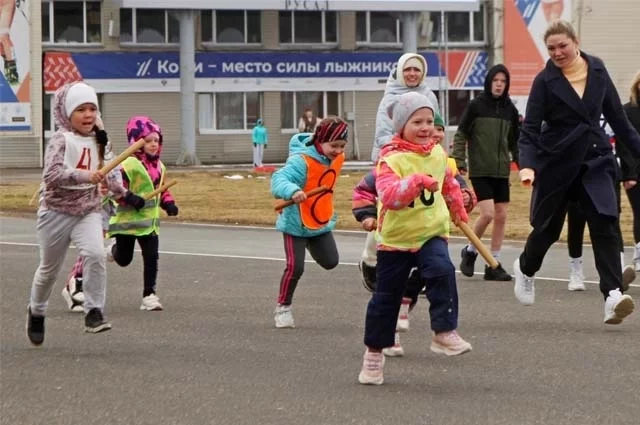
(372, 368)
(403, 318)
(284, 317)
(151, 303)
(576, 281)
(524, 288)
(628, 276)
(396, 349)
(617, 307)
(108, 251)
(636, 265)
(71, 296)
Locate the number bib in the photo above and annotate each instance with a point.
(80, 153)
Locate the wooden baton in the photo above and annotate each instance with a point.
(313, 192)
(160, 190)
(124, 155)
(486, 254)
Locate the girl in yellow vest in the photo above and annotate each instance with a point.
(417, 195)
(308, 223)
(364, 208)
(142, 172)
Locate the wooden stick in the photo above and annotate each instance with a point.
(160, 190)
(313, 192)
(35, 195)
(486, 254)
(124, 155)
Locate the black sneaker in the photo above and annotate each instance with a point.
(35, 328)
(468, 262)
(368, 276)
(498, 274)
(94, 322)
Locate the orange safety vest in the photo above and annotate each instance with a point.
(317, 211)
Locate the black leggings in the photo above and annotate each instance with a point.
(323, 250)
(634, 199)
(123, 254)
(576, 222)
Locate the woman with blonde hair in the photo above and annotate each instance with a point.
(567, 157)
(631, 166)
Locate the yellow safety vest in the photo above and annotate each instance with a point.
(427, 216)
(129, 221)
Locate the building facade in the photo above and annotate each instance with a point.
(264, 64)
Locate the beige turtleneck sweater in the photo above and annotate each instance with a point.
(576, 74)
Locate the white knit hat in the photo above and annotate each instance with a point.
(78, 94)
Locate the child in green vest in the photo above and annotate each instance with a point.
(417, 196)
(142, 173)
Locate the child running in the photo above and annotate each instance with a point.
(72, 291)
(414, 188)
(69, 208)
(365, 212)
(142, 173)
(309, 223)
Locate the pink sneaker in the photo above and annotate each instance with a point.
(372, 365)
(403, 318)
(449, 343)
(395, 350)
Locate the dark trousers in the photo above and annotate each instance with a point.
(604, 233)
(322, 249)
(392, 271)
(575, 227)
(122, 253)
(634, 199)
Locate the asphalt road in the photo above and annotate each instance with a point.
(213, 356)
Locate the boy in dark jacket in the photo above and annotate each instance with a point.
(488, 131)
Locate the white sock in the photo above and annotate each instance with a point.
(622, 259)
(575, 263)
(496, 254)
(636, 252)
(472, 249)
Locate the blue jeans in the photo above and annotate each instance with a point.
(393, 270)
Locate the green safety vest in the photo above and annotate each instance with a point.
(129, 221)
(427, 216)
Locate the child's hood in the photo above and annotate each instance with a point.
(395, 83)
(259, 122)
(60, 113)
(140, 127)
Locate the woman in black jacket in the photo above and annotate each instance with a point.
(569, 158)
(631, 167)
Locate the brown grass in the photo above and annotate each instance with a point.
(210, 197)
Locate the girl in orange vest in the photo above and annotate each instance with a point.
(308, 223)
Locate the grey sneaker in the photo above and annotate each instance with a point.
(95, 322)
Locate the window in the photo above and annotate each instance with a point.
(71, 22)
(462, 27)
(231, 27)
(308, 27)
(293, 104)
(457, 103)
(378, 28)
(149, 26)
(229, 111)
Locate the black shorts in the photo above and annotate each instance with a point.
(491, 188)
